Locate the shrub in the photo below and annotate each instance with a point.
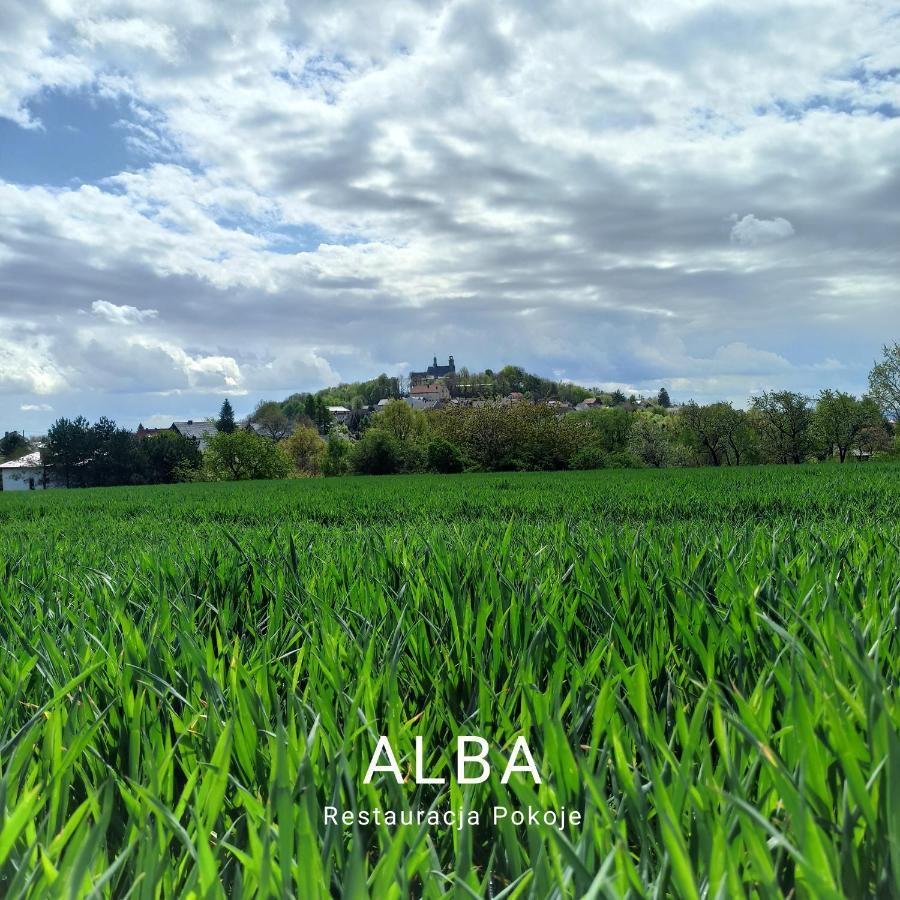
(306, 450)
(337, 457)
(589, 457)
(444, 457)
(242, 456)
(377, 453)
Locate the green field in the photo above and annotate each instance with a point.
(704, 663)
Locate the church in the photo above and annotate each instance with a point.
(433, 371)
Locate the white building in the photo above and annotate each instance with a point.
(437, 390)
(340, 414)
(25, 474)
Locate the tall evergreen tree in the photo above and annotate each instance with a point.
(225, 423)
(663, 398)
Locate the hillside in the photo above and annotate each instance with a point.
(463, 383)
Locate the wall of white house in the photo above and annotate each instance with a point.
(22, 479)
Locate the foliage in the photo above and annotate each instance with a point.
(401, 421)
(504, 437)
(884, 381)
(244, 455)
(875, 440)
(306, 450)
(589, 456)
(840, 418)
(317, 412)
(513, 379)
(662, 398)
(362, 393)
(704, 663)
(102, 455)
(378, 452)
(444, 457)
(607, 429)
(784, 421)
(13, 446)
(717, 433)
(337, 457)
(649, 441)
(225, 423)
(68, 446)
(111, 455)
(272, 420)
(171, 457)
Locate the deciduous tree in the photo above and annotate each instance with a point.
(884, 381)
(306, 450)
(840, 417)
(243, 455)
(649, 441)
(784, 420)
(271, 419)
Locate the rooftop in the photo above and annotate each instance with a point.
(29, 461)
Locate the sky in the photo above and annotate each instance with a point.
(199, 201)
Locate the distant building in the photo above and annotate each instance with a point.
(340, 414)
(421, 403)
(590, 403)
(202, 431)
(149, 432)
(433, 372)
(26, 474)
(435, 391)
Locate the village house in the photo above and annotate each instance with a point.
(421, 403)
(202, 431)
(26, 474)
(437, 390)
(340, 414)
(149, 432)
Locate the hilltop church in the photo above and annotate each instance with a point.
(433, 372)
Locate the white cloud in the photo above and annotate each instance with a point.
(566, 159)
(36, 407)
(121, 315)
(752, 232)
(131, 33)
(27, 363)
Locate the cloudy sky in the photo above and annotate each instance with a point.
(199, 201)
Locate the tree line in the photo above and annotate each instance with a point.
(780, 427)
(297, 438)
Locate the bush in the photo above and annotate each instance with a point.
(243, 455)
(306, 450)
(589, 458)
(171, 457)
(622, 459)
(444, 457)
(377, 453)
(337, 457)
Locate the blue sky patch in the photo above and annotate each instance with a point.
(304, 238)
(83, 138)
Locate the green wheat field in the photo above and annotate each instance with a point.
(704, 663)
